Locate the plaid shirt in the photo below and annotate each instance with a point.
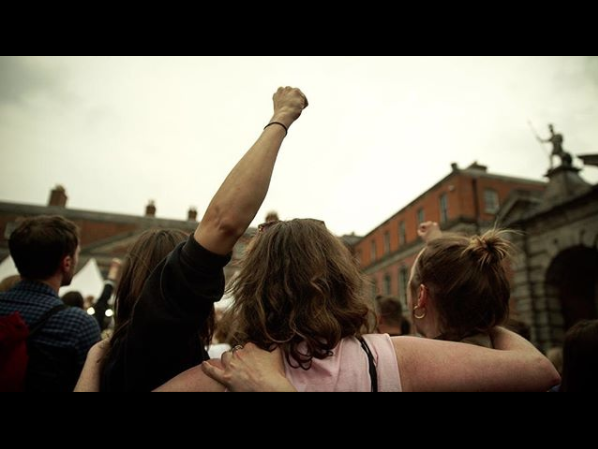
(70, 328)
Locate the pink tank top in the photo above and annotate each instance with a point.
(348, 368)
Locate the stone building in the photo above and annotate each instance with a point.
(556, 272)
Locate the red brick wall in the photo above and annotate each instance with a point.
(91, 231)
(464, 185)
(460, 194)
(394, 271)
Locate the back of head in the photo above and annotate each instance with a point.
(73, 299)
(390, 309)
(299, 289)
(143, 257)
(39, 244)
(9, 282)
(580, 358)
(468, 282)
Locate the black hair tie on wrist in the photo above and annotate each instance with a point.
(286, 130)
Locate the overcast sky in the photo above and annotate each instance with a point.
(119, 131)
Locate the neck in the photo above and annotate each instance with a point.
(428, 328)
(55, 282)
(389, 329)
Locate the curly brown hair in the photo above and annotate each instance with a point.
(298, 289)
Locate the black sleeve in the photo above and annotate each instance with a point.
(176, 301)
(101, 305)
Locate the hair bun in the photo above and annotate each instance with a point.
(491, 248)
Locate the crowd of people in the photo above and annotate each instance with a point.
(300, 320)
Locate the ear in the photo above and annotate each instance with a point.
(423, 294)
(66, 264)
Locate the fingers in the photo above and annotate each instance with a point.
(303, 97)
(226, 357)
(213, 372)
(289, 92)
(427, 225)
(428, 230)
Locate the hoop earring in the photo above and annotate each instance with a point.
(419, 317)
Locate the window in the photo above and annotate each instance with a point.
(373, 251)
(402, 233)
(387, 242)
(387, 285)
(491, 201)
(403, 284)
(443, 208)
(421, 216)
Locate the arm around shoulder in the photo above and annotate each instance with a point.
(433, 365)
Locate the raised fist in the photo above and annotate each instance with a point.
(289, 102)
(429, 231)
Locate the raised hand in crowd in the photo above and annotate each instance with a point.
(429, 231)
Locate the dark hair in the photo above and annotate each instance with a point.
(298, 289)
(390, 309)
(468, 282)
(73, 299)
(39, 244)
(580, 358)
(143, 257)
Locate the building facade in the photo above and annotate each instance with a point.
(466, 200)
(556, 272)
(104, 236)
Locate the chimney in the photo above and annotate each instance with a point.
(150, 209)
(192, 214)
(454, 166)
(478, 167)
(58, 197)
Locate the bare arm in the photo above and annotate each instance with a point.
(432, 365)
(89, 380)
(241, 195)
(249, 370)
(194, 379)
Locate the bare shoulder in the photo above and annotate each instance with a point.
(194, 379)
